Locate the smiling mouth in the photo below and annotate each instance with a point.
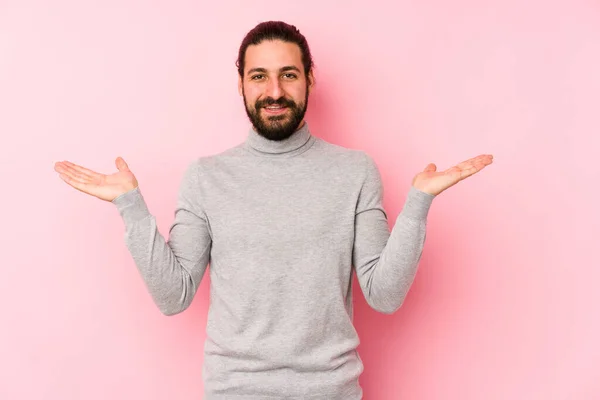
(275, 109)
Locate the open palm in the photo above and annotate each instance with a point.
(433, 182)
(105, 187)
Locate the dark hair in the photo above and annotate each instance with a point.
(275, 30)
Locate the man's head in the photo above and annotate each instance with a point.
(275, 77)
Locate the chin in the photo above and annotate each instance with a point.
(275, 119)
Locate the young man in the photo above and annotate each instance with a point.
(282, 218)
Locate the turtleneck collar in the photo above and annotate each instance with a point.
(297, 143)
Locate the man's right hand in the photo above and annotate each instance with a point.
(104, 187)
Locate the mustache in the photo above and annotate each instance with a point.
(269, 101)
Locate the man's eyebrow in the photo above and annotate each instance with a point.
(256, 70)
(290, 68)
(282, 69)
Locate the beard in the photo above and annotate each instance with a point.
(276, 127)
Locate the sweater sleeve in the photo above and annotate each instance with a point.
(171, 269)
(386, 262)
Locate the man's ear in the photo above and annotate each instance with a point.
(240, 89)
(311, 80)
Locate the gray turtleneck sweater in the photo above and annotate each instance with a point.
(283, 226)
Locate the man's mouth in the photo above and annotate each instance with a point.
(275, 109)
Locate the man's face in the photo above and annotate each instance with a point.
(275, 88)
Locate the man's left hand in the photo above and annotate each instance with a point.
(433, 182)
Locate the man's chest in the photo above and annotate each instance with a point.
(280, 212)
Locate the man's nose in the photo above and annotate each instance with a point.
(274, 89)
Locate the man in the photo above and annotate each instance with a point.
(283, 218)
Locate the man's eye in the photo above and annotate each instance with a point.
(256, 77)
(290, 76)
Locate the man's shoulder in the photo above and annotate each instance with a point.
(210, 160)
(356, 157)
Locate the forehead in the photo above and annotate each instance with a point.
(272, 55)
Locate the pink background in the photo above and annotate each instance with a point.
(506, 304)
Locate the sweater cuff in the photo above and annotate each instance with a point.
(131, 206)
(417, 204)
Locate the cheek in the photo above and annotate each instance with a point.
(252, 94)
(298, 93)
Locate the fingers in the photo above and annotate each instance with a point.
(466, 172)
(74, 176)
(72, 172)
(483, 158)
(470, 167)
(481, 162)
(81, 170)
(77, 183)
(121, 164)
(478, 162)
(430, 168)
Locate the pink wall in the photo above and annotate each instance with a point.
(506, 304)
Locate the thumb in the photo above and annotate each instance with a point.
(121, 164)
(430, 168)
